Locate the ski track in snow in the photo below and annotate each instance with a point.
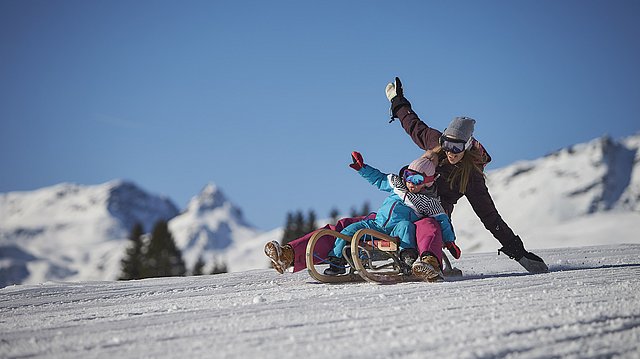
(588, 306)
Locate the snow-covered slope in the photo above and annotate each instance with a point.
(584, 194)
(586, 307)
(72, 232)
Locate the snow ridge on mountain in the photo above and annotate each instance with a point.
(549, 200)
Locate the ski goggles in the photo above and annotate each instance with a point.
(453, 145)
(416, 177)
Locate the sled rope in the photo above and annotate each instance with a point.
(324, 260)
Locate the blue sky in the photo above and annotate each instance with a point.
(267, 99)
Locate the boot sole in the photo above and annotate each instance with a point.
(426, 272)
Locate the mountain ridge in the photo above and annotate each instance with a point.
(586, 180)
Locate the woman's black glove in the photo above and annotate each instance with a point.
(394, 89)
(395, 94)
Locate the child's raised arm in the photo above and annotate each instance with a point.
(371, 174)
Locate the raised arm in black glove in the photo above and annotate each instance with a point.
(395, 94)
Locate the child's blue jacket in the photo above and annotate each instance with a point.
(403, 205)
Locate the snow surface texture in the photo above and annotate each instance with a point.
(588, 306)
(586, 194)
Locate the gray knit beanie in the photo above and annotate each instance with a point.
(460, 128)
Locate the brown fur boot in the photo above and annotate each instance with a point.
(281, 256)
(427, 269)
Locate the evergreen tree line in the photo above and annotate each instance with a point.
(157, 255)
(297, 225)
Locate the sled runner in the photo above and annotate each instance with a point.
(377, 259)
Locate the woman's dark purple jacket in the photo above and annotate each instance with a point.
(476, 192)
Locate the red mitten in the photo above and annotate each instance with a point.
(358, 162)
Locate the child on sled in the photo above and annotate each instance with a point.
(413, 196)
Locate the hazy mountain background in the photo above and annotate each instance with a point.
(585, 194)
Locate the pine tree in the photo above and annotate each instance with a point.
(295, 227)
(133, 262)
(334, 215)
(218, 268)
(298, 225)
(164, 259)
(198, 268)
(310, 225)
(288, 229)
(366, 208)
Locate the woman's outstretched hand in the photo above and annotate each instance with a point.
(358, 162)
(394, 89)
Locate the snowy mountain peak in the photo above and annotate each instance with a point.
(209, 198)
(211, 227)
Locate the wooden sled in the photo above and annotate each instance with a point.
(378, 260)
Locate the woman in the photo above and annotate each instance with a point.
(461, 163)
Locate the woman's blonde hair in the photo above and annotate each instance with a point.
(473, 160)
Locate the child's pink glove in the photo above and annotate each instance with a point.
(358, 162)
